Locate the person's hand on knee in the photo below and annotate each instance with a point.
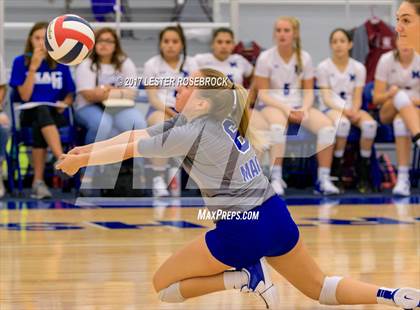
(4, 120)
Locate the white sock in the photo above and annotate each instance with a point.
(403, 173)
(323, 173)
(365, 153)
(383, 297)
(339, 153)
(277, 172)
(158, 171)
(418, 143)
(235, 279)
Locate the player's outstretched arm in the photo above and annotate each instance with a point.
(71, 163)
(124, 138)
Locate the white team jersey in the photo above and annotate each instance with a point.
(389, 70)
(285, 82)
(343, 83)
(235, 67)
(157, 67)
(87, 79)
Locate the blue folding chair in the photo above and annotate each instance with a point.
(24, 136)
(100, 8)
(300, 141)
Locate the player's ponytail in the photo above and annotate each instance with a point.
(231, 100)
(184, 46)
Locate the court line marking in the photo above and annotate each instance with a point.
(72, 245)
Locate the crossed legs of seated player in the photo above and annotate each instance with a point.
(52, 138)
(408, 112)
(403, 147)
(317, 123)
(193, 271)
(158, 164)
(368, 128)
(405, 125)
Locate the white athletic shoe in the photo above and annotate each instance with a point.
(406, 297)
(160, 188)
(278, 185)
(402, 188)
(326, 187)
(259, 282)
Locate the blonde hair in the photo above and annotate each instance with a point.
(298, 45)
(223, 105)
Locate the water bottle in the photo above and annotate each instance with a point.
(175, 183)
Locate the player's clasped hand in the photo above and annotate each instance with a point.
(353, 115)
(38, 56)
(69, 164)
(296, 116)
(76, 151)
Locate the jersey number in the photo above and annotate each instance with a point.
(286, 89)
(241, 143)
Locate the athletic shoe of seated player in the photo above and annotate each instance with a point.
(325, 187)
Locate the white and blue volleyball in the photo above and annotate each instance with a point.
(69, 39)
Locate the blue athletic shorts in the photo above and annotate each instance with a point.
(240, 243)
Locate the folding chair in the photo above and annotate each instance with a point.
(24, 136)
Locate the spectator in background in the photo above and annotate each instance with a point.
(236, 67)
(4, 123)
(38, 78)
(101, 77)
(397, 71)
(284, 77)
(172, 62)
(341, 80)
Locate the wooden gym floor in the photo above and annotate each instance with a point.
(55, 255)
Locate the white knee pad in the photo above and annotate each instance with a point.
(277, 134)
(343, 126)
(326, 136)
(171, 294)
(328, 291)
(401, 100)
(369, 129)
(400, 130)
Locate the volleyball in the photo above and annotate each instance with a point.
(69, 39)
